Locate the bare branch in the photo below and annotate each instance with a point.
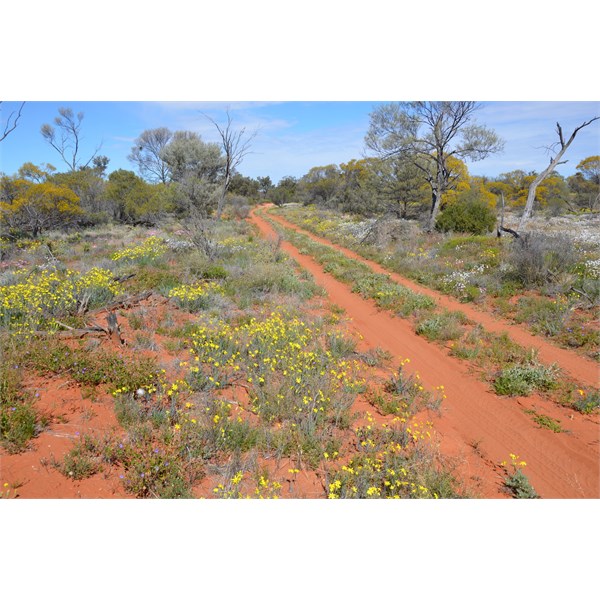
(9, 128)
(560, 135)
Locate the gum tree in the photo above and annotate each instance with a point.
(146, 154)
(429, 134)
(66, 137)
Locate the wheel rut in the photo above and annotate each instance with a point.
(580, 368)
(477, 427)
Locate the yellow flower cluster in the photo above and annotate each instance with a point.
(515, 462)
(290, 373)
(151, 247)
(265, 489)
(36, 302)
(191, 293)
(383, 469)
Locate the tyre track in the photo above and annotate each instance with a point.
(559, 465)
(580, 368)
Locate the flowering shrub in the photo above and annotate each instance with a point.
(150, 248)
(194, 297)
(291, 376)
(389, 465)
(43, 297)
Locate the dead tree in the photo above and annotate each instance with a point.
(554, 162)
(501, 227)
(235, 145)
(114, 329)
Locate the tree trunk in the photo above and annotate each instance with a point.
(436, 199)
(221, 202)
(553, 163)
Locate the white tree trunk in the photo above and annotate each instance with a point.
(553, 163)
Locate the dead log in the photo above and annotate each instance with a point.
(125, 303)
(70, 333)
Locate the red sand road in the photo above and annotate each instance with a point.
(584, 370)
(564, 465)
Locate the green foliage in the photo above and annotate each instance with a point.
(544, 315)
(587, 403)
(442, 327)
(18, 424)
(214, 272)
(19, 421)
(470, 216)
(134, 200)
(90, 366)
(521, 380)
(519, 485)
(82, 461)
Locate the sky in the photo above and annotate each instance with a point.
(293, 136)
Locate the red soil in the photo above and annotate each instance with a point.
(71, 416)
(477, 427)
(582, 369)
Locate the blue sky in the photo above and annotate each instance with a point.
(294, 136)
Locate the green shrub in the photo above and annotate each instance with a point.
(83, 460)
(214, 272)
(18, 424)
(471, 216)
(521, 380)
(519, 485)
(19, 421)
(442, 327)
(545, 316)
(587, 403)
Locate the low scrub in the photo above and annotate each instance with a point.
(521, 380)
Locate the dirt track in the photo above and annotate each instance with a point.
(583, 370)
(477, 426)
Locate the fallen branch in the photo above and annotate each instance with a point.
(75, 333)
(582, 293)
(508, 230)
(123, 278)
(125, 303)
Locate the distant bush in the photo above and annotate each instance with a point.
(536, 257)
(471, 216)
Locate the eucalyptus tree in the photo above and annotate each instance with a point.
(146, 154)
(66, 137)
(187, 154)
(428, 134)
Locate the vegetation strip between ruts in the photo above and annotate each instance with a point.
(585, 371)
